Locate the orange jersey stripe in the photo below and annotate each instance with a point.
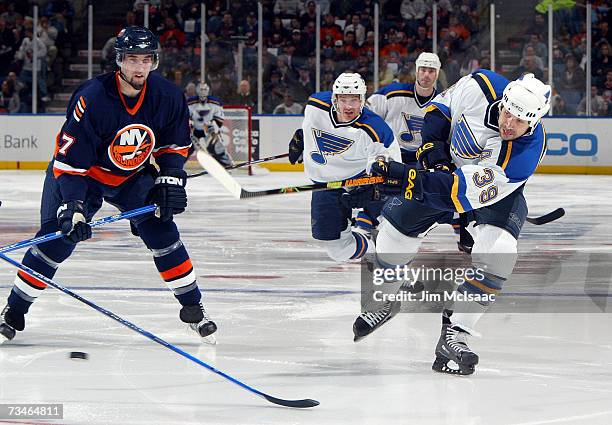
(184, 152)
(176, 271)
(107, 177)
(37, 283)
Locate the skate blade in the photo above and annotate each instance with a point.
(440, 365)
(208, 340)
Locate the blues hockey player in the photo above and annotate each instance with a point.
(403, 105)
(206, 114)
(340, 139)
(489, 132)
(114, 124)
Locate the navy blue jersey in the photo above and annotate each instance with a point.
(110, 137)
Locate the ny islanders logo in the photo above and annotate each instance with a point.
(328, 144)
(132, 146)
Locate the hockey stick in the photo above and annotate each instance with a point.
(546, 218)
(243, 164)
(288, 403)
(222, 176)
(94, 223)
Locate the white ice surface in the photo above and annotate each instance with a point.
(285, 314)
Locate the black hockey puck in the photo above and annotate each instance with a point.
(78, 355)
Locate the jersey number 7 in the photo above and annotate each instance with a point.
(68, 142)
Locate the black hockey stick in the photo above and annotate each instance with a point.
(243, 164)
(287, 403)
(546, 218)
(222, 176)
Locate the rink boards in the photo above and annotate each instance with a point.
(575, 145)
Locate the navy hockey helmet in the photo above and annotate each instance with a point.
(137, 41)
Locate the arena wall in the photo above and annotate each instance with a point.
(575, 145)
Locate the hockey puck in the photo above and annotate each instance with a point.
(78, 355)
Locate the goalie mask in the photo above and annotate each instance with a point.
(202, 90)
(348, 83)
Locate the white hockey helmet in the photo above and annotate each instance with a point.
(527, 99)
(349, 83)
(202, 90)
(429, 60)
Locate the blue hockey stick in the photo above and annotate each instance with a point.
(288, 403)
(94, 223)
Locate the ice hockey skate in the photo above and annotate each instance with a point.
(452, 346)
(199, 322)
(10, 323)
(368, 321)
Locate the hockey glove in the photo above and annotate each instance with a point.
(72, 223)
(433, 156)
(169, 193)
(400, 179)
(296, 147)
(359, 197)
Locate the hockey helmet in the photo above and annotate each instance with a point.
(429, 60)
(349, 83)
(137, 41)
(527, 99)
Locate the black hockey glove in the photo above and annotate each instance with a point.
(400, 179)
(360, 197)
(72, 223)
(296, 147)
(433, 156)
(169, 193)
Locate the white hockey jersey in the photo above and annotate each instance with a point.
(489, 168)
(399, 106)
(337, 151)
(202, 113)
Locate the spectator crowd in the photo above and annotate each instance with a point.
(347, 42)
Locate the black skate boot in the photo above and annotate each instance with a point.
(10, 323)
(199, 322)
(453, 346)
(368, 321)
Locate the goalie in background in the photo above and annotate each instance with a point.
(206, 113)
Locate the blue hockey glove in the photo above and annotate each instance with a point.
(169, 193)
(72, 223)
(400, 179)
(360, 197)
(296, 147)
(431, 155)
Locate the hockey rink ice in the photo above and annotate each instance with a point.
(285, 315)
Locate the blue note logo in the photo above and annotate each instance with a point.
(463, 141)
(328, 144)
(414, 125)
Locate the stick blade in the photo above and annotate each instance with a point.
(219, 173)
(299, 404)
(547, 218)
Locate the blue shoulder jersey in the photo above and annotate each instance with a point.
(399, 105)
(110, 137)
(465, 117)
(336, 150)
